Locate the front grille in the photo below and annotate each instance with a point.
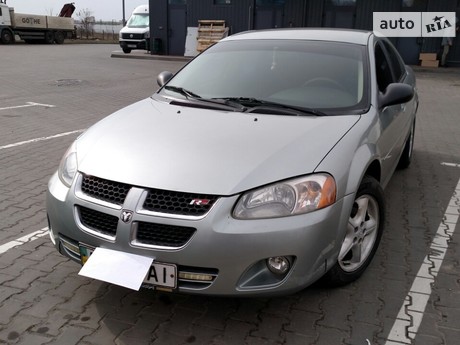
(134, 36)
(179, 203)
(98, 221)
(109, 191)
(163, 235)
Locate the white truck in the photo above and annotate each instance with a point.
(136, 33)
(35, 28)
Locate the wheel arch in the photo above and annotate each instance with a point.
(365, 163)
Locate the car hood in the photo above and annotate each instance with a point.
(158, 145)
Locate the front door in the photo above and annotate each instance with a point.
(268, 14)
(177, 19)
(339, 14)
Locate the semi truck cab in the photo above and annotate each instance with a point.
(6, 34)
(136, 33)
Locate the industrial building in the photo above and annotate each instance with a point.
(171, 18)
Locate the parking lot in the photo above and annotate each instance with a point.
(409, 295)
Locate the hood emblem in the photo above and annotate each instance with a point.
(131, 36)
(126, 216)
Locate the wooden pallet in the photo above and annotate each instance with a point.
(209, 32)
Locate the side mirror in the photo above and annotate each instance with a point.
(164, 77)
(396, 93)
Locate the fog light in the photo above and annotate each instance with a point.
(195, 276)
(278, 264)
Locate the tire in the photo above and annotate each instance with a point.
(49, 37)
(59, 37)
(126, 50)
(406, 156)
(363, 234)
(6, 36)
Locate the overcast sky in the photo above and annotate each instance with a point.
(101, 9)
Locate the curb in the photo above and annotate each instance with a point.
(147, 56)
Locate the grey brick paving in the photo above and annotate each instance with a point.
(43, 300)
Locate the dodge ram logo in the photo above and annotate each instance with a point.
(126, 216)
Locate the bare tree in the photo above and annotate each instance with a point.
(87, 21)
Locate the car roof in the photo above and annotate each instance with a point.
(333, 35)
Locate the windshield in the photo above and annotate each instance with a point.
(138, 21)
(307, 74)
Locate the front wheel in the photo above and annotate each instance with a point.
(6, 36)
(362, 236)
(126, 50)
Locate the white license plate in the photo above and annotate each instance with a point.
(132, 46)
(159, 274)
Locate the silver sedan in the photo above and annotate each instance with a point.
(257, 169)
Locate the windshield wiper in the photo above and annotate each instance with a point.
(257, 105)
(183, 92)
(191, 95)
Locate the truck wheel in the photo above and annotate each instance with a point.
(49, 37)
(126, 50)
(6, 36)
(59, 37)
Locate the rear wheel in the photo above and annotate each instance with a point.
(6, 36)
(362, 236)
(59, 37)
(49, 37)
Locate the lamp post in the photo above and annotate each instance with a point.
(123, 5)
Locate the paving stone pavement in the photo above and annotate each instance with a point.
(43, 300)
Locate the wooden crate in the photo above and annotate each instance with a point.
(209, 32)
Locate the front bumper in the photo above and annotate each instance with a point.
(135, 44)
(232, 251)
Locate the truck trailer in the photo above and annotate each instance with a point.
(35, 28)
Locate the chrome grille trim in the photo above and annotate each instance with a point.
(180, 204)
(83, 196)
(108, 191)
(154, 202)
(170, 231)
(98, 232)
(135, 36)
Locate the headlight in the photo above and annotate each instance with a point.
(68, 166)
(291, 197)
(147, 34)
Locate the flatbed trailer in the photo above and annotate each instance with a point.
(34, 28)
